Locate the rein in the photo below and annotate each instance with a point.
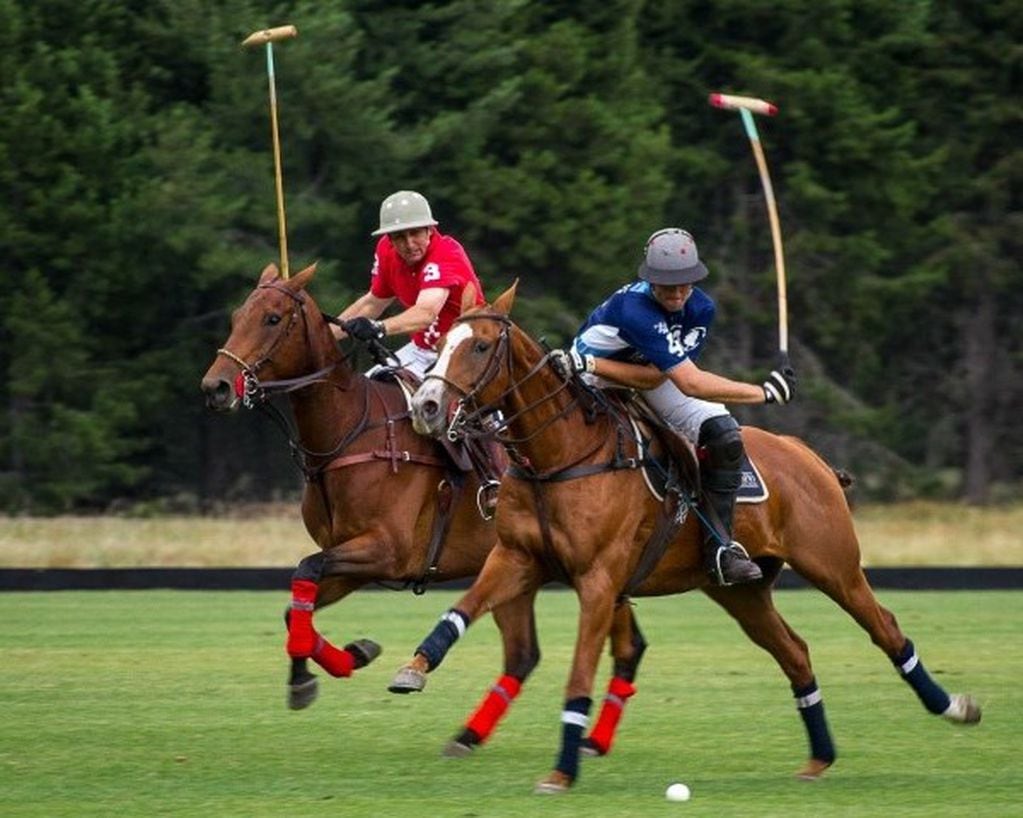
(256, 393)
(468, 417)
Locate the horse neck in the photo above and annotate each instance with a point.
(547, 425)
(325, 411)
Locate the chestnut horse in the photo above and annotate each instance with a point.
(383, 503)
(568, 511)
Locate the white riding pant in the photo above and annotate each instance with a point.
(413, 358)
(681, 412)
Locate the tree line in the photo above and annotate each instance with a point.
(552, 139)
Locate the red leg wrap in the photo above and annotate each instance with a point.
(493, 706)
(301, 636)
(333, 660)
(603, 733)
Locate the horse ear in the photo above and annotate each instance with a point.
(270, 272)
(468, 297)
(504, 301)
(300, 281)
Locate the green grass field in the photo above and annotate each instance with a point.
(172, 703)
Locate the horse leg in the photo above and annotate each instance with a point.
(753, 608)
(507, 574)
(627, 648)
(310, 590)
(596, 610)
(855, 596)
(517, 623)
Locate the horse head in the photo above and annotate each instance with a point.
(487, 363)
(471, 365)
(271, 339)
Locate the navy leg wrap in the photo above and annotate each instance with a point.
(574, 720)
(436, 646)
(811, 709)
(933, 695)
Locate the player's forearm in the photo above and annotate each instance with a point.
(635, 376)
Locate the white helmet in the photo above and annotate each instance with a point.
(404, 210)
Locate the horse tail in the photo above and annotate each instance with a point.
(845, 480)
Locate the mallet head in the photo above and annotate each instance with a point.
(270, 35)
(751, 104)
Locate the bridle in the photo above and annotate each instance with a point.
(469, 417)
(251, 390)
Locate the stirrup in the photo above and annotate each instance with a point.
(486, 503)
(717, 574)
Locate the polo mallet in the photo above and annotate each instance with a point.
(747, 106)
(269, 36)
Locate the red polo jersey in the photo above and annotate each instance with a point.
(446, 264)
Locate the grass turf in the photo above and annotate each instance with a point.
(172, 703)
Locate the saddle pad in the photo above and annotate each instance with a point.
(752, 489)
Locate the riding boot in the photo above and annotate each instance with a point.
(726, 560)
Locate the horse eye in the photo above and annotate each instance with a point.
(273, 319)
(481, 346)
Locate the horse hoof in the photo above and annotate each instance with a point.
(590, 750)
(554, 784)
(364, 651)
(963, 709)
(407, 680)
(303, 694)
(456, 749)
(813, 770)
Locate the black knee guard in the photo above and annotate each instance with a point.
(722, 439)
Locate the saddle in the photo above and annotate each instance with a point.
(659, 446)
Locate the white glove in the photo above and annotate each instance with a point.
(569, 363)
(780, 385)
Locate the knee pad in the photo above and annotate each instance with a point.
(722, 439)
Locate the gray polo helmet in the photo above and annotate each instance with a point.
(670, 257)
(404, 210)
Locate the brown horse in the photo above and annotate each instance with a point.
(569, 511)
(383, 503)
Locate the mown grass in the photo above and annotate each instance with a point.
(918, 533)
(172, 703)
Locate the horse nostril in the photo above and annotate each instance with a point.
(429, 408)
(218, 393)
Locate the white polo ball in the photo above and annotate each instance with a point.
(677, 792)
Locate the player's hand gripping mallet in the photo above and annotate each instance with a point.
(269, 36)
(747, 106)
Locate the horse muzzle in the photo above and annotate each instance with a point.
(427, 415)
(221, 395)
